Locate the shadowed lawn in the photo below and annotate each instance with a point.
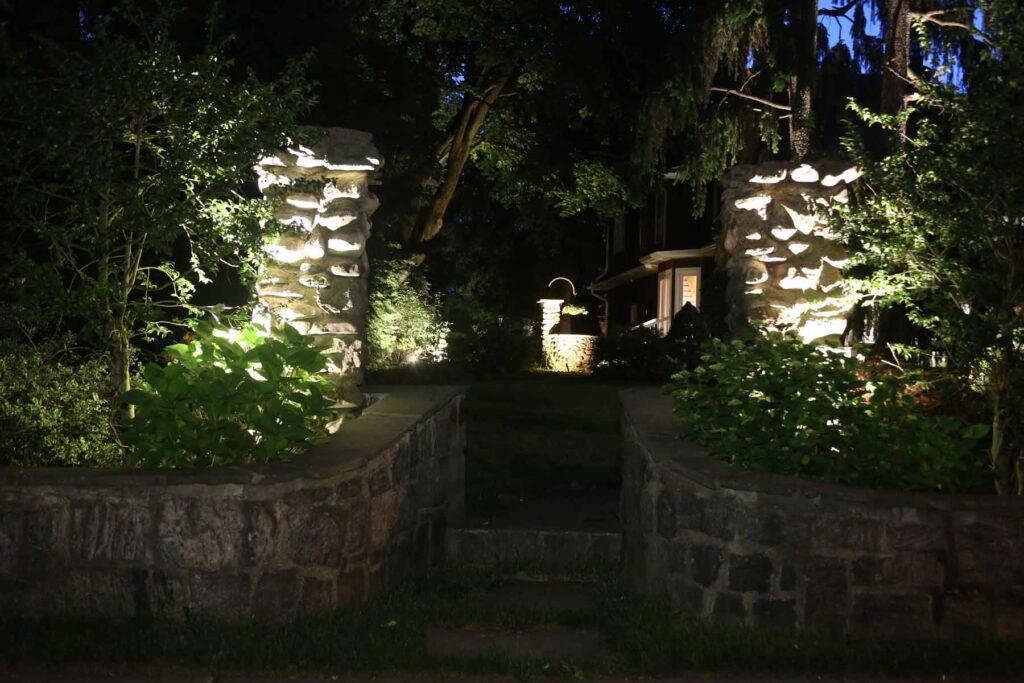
(538, 432)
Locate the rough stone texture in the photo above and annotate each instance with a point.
(315, 279)
(784, 264)
(329, 528)
(569, 352)
(548, 549)
(786, 553)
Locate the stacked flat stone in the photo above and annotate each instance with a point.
(315, 278)
(783, 262)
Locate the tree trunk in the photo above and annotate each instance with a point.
(804, 25)
(1006, 446)
(465, 128)
(895, 75)
(801, 120)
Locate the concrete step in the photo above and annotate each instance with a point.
(553, 596)
(546, 641)
(552, 550)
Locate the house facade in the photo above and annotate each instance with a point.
(659, 258)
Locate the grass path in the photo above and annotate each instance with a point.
(538, 432)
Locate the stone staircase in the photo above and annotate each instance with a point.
(543, 546)
(564, 530)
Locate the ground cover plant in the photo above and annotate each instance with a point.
(642, 636)
(775, 404)
(231, 396)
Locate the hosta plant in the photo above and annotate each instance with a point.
(231, 397)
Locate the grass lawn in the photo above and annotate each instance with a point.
(642, 637)
(538, 432)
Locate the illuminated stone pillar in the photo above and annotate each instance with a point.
(315, 278)
(784, 264)
(550, 314)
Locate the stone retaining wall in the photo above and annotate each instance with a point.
(360, 512)
(777, 551)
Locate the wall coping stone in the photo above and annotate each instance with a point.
(650, 411)
(356, 441)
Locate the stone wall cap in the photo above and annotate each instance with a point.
(649, 410)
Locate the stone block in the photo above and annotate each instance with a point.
(380, 481)
(905, 614)
(750, 573)
(316, 537)
(845, 532)
(686, 597)
(779, 614)
(921, 569)
(705, 563)
(351, 586)
(729, 608)
(261, 540)
(763, 527)
(108, 531)
(788, 576)
(276, 595)
(916, 537)
(384, 510)
(201, 533)
(106, 591)
(221, 595)
(357, 531)
(718, 516)
(665, 511)
(11, 535)
(316, 595)
(826, 590)
(968, 612)
(45, 540)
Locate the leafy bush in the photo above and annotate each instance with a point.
(493, 349)
(777, 405)
(688, 333)
(639, 355)
(53, 413)
(231, 396)
(405, 321)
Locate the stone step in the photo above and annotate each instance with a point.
(546, 641)
(551, 550)
(553, 596)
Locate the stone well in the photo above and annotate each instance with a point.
(783, 263)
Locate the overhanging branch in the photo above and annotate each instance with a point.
(934, 17)
(752, 98)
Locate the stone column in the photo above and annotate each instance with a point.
(550, 314)
(783, 263)
(315, 278)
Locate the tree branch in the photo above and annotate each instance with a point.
(752, 98)
(839, 11)
(932, 17)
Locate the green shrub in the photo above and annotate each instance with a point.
(774, 404)
(493, 349)
(53, 413)
(640, 355)
(404, 322)
(231, 397)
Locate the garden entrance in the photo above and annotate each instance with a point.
(542, 473)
